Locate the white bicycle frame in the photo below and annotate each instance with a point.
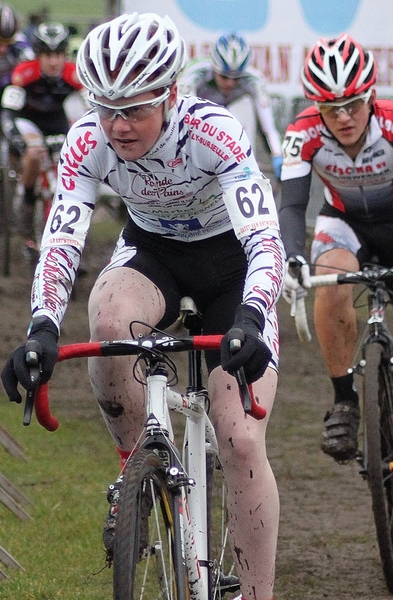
(189, 471)
(160, 399)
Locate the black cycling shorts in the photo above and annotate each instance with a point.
(212, 271)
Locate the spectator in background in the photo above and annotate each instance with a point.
(14, 46)
(228, 80)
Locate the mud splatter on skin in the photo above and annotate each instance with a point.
(111, 408)
(231, 442)
(239, 552)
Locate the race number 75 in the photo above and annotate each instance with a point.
(292, 148)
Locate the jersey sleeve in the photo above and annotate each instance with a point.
(253, 214)
(264, 111)
(70, 76)
(194, 75)
(25, 73)
(68, 223)
(298, 153)
(249, 199)
(294, 200)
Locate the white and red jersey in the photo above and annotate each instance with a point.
(359, 189)
(199, 180)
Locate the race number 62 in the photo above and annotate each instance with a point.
(246, 200)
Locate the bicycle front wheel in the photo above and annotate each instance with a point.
(148, 559)
(223, 573)
(378, 417)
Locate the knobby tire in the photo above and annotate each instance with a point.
(378, 417)
(223, 574)
(148, 558)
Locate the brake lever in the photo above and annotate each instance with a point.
(250, 405)
(33, 352)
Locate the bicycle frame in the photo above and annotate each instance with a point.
(186, 475)
(373, 361)
(186, 472)
(373, 277)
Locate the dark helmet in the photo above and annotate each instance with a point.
(50, 37)
(8, 23)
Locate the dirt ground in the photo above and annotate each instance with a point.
(327, 546)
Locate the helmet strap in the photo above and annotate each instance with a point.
(167, 114)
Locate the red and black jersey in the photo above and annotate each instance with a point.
(45, 95)
(359, 189)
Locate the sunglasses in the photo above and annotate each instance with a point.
(349, 107)
(137, 111)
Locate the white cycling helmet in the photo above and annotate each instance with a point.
(230, 55)
(146, 45)
(337, 68)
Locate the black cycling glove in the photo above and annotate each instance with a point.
(16, 370)
(254, 355)
(18, 145)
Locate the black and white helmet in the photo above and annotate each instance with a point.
(8, 23)
(146, 45)
(50, 37)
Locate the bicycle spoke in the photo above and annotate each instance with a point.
(146, 552)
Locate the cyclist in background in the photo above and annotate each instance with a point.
(33, 108)
(197, 203)
(228, 79)
(346, 138)
(14, 46)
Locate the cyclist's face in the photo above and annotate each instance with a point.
(349, 128)
(52, 63)
(3, 49)
(225, 84)
(131, 138)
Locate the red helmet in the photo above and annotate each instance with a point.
(337, 68)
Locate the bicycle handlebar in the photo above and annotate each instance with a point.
(298, 308)
(370, 275)
(165, 343)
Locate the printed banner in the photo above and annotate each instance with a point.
(282, 31)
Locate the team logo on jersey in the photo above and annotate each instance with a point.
(73, 157)
(175, 162)
(181, 226)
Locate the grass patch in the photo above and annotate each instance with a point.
(80, 13)
(66, 475)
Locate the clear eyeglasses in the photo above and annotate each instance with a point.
(137, 111)
(349, 107)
